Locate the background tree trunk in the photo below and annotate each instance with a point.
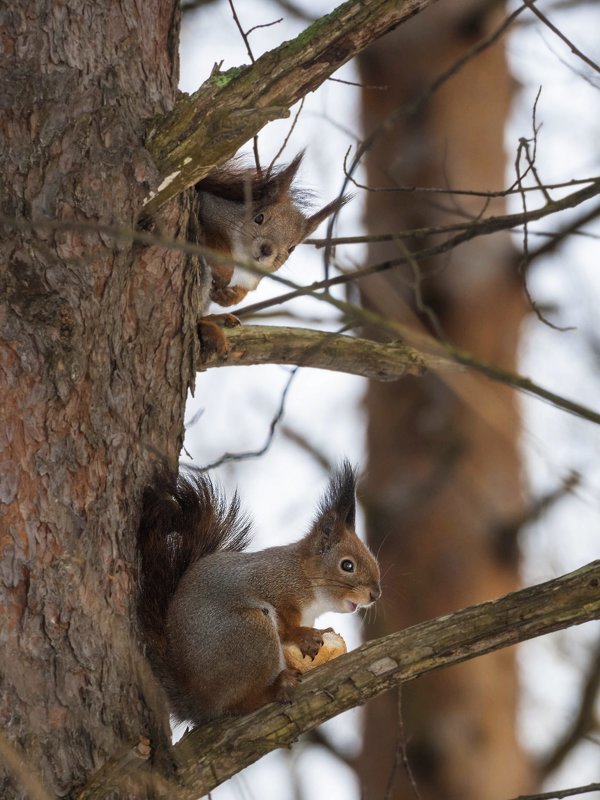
(96, 356)
(443, 482)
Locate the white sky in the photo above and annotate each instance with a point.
(280, 489)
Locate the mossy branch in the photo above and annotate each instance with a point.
(208, 126)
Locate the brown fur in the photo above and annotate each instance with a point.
(216, 618)
(251, 216)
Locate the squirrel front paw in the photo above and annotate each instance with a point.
(285, 682)
(227, 295)
(310, 640)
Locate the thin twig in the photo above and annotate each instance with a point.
(358, 84)
(264, 25)
(400, 756)
(244, 36)
(584, 720)
(246, 454)
(523, 148)
(287, 138)
(243, 33)
(560, 793)
(411, 110)
(557, 237)
(501, 193)
(575, 50)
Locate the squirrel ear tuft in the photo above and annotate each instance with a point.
(279, 182)
(313, 222)
(337, 509)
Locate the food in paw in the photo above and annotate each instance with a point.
(332, 647)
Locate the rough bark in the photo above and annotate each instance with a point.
(95, 359)
(444, 470)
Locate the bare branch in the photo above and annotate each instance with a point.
(246, 454)
(575, 50)
(560, 793)
(255, 344)
(559, 236)
(584, 720)
(261, 344)
(484, 226)
(210, 755)
(445, 353)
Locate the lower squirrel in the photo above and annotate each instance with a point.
(250, 215)
(216, 618)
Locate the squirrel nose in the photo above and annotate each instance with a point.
(375, 593)
(266, 250)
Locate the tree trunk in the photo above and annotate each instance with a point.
(96, 355)
(443, 482)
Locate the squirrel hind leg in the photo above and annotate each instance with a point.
(212, 339)
(284, 684)
(233, 663)
(277, 679)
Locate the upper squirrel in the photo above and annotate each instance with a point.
(216, 618)
(252, 215)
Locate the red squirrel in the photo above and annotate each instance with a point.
(216, 618)
(250, 216)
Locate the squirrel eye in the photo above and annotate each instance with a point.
(259, 219)
(291, 249)
(347, 565)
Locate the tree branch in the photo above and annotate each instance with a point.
(230, 107)
(560, 793)
(253, 344)
(210, 755)
(583, 722)
(481, 227)
(264, 344)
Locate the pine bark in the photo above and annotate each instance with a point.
(443, 481)
(96, 355)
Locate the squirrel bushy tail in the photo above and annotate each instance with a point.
(184, 518)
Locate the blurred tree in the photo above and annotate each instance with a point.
(443, 480)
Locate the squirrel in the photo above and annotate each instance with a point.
(248, 215)
(216, 619)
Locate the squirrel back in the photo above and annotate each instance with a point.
(217, 620)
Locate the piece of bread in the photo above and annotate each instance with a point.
(332, 647)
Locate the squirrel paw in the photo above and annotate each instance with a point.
(227, 295)
(212, 338)
(287, 680)
(310, 640)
